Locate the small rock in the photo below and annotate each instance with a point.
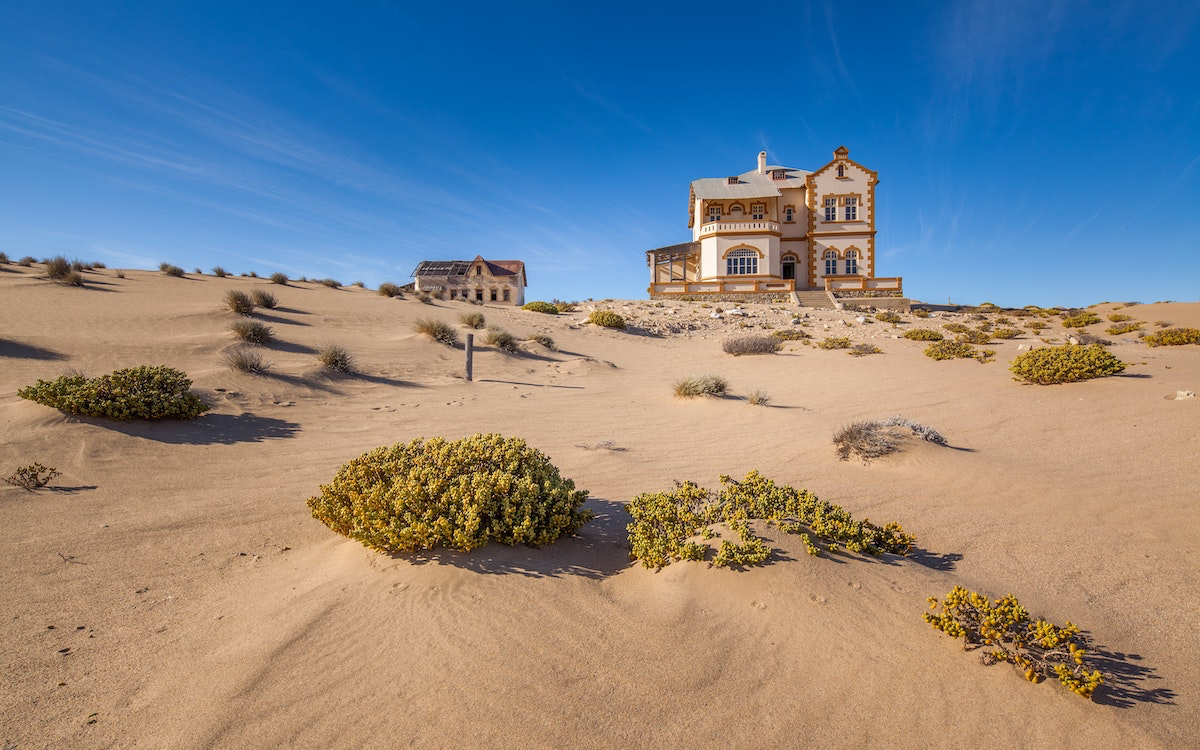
(1181, 395)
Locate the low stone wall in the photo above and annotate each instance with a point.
(900, 304)
(866, 293)
(765, 297)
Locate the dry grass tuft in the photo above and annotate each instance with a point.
(388, 289)
(252, 332)
(263, 298)
(472, 319)
(239, 302)
(335, 357)
(279, 277)
(502, 340)
(751, 344)
(704, 385)
(244, 359)
(437, 330)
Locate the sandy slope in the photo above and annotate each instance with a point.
(203, 607)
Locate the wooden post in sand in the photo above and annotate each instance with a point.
(470, 354)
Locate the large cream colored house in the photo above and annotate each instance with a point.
(476, 280)
(775, 230)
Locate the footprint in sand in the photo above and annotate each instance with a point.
(817, 599)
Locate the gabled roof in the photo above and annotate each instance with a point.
(462, 267)
(749, 185)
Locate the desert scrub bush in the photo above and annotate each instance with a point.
(606, 319)
(544, 340)
(1006, 333)
(472, 320)
(1081, 319)
(239, 302)
(245, 359)
(1116, 317)
(358, 284)
(974, 336)
(955, 327)
(1040, 649)
(920, 312)
(32, 477)
(940, 350)
(869, 440)
(331, 283)
(834, 342)
(1036, 325)
(666, 524)
(57, 268)
(563, 306)
(862, 350)
(219, 272)
(923, 334)
(171, 270)
(1122, 328)
(143, 392)
(1173, 337)
(4, 257)
(791, 334)
(502, 340)
(1069, 363)
(888, 316)
(263, 298)
(451, 493)
(437, 330)
(542, 307)
(27, 261)
(252, 332)
(279, 277)
(74, 278)
(703, 385)
(424, 298)
(757, 397)
(388, 289)
(336, 358)
(1162, 323)
(751, 344)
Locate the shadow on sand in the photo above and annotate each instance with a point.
(210, 429)
(17, 350)
(599, 550)
(1125, 680)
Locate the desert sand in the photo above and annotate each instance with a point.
(171, 589)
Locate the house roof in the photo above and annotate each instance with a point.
(462, 267)
(750, 184)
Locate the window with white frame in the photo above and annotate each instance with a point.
(831, 209)
(830, 263)
(741, 262)
(757, 211)
(714, 213)
(851, 261)
(851, 209)
(789, 214)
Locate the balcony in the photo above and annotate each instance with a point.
(753, 225)
(726, 285)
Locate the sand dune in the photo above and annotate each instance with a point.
(172, 590)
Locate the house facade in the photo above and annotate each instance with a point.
(776, 230)
(479, 280)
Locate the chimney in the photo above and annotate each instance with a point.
(762, 162)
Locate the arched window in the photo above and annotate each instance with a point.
(851, 261)
(831, 263)
(741, 262)
(736, 211)
(841, 170)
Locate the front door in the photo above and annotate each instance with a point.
(789, 269)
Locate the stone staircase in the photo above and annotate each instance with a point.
(813, 298)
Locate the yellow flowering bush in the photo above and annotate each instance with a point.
(1069, 363)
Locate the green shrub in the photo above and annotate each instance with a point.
(171, 270)
(542, 307)
(388, 289)
(791, 334)
(459, 494)
(239, 302)
(888, 316)
(751, 344)
(1122, 328)
(834, 342)
(920, 312)
(1065, 364)
(57, 268)
(922, 334)
(1173, 337)
(974, 336)
(562, 306)
(263, 298)
(437, 330)
(252, 332)
(220, 272)
(704, 385)
(472, 319)
(1006, 632)
(1036, 325)
(862, 350)
(544, 340)
(940, 350)
(1006, 333)
(665, 523)
(502, 340)
(335, 357)
(135, 393)
(606, 319)
(32, 477)
(245, 359)
(1080, 319)
(955, 327)
(1116, 317)
(279, 277)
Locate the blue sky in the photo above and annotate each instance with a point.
(1040, 152)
